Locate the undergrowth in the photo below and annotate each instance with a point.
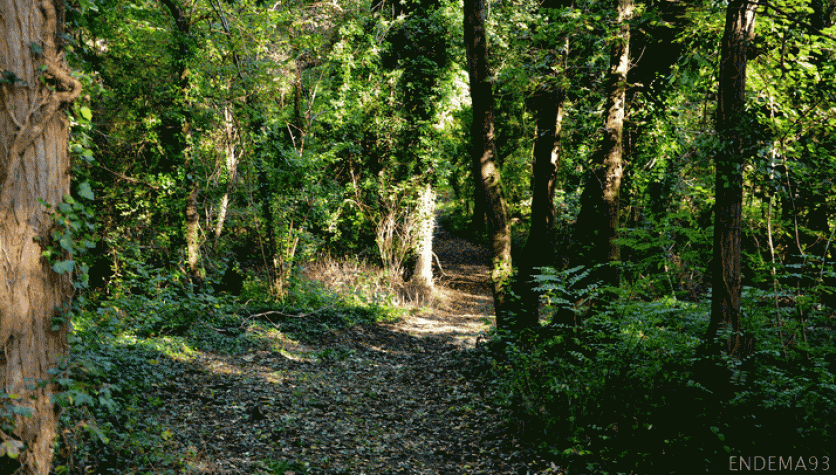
(127, 343)
(619, 393)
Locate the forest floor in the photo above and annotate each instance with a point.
(377, 399)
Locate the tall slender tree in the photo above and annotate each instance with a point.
(35, 87)
(539, 247)
(730, 125)
(484, 155)
(548, 105)
(181, 146)
(597, 225)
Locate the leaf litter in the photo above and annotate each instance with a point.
(388, 398)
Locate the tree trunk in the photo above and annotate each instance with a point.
(597, 226)
(299, 123)
(192, 232)
(478, 220)
(422, 278)
(484, 155)
(34, 165)
(269, 225)
(731, 100)
(539, 247)
(231, 159)
(183, 144)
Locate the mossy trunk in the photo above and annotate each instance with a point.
(182, 149)
(486, 170)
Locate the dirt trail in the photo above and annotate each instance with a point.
(462, 291)
(374, 399)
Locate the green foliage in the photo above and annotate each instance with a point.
(72, 234)
(284, 467)
(622, 391)
(668, 257)
(383, 109)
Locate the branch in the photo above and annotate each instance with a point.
(219, 10)
(287, 315)
(438, 261)
(129, 179)
(824, 256)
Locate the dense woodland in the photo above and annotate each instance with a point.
(652, 182)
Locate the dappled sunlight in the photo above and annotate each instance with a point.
(176, 348)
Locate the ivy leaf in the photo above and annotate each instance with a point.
(11, 448)
(85, 112)
(85, 191)
(66, 242)
(36, 48)
(63, 267)
(101, 435)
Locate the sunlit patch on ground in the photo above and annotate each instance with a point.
(370, 398)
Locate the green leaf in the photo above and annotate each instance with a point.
(85, 112)
(10, 78)
(66, 242)
(85, 191)
(36, 48)
(63, 267)
(11, 448)
(95, 429)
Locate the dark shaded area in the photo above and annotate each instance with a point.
(9, 466)
(653, 46)
(100, 263)
(231, 283)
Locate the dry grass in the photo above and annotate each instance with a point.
(352, 276)
(461, 288)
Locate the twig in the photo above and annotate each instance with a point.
(213, 328)
(282, 314)
(438, 261)
(824, 256)
(127, 178)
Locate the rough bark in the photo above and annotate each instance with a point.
(731, 100)
(484, 156)
(478, 220)
(34, 165)
(597, 225)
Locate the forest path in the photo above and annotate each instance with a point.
(369, 400)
